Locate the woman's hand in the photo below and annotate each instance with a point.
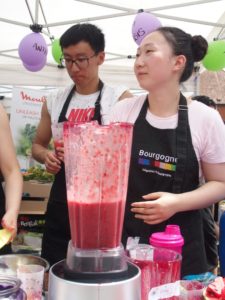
(161, 207)
(52, 162)
(9, 222)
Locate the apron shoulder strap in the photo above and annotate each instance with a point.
(181, 144)
(97, 113)
(62, 116)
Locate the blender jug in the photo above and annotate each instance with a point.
(97, 164)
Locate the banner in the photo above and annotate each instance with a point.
(24, 118)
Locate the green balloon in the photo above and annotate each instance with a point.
(56, 51)
(215, 57)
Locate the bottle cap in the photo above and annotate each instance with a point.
(170, 237)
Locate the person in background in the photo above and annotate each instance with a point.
(10, 197)
(211, 229)
(176, 143)
(205, 100)
(88, 98)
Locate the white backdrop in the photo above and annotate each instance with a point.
(114, 17)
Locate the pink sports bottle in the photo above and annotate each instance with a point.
(171, 238)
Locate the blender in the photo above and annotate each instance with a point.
(97, 165)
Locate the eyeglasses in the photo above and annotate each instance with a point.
(80, 62)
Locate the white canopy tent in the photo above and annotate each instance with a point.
(114, 17)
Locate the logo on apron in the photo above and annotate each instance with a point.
(81, 114)
(157, 163)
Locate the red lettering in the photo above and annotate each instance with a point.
(91, 115)
(73, 115)
(26, 97)
(88, 114)
(81, 115)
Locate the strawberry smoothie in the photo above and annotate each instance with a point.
(96, 225)
(58, 143)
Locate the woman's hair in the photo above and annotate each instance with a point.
(84, 32)
(194, 48)
(205, 100)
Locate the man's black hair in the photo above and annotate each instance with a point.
(84, 32)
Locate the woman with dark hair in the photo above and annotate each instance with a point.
(177, 143)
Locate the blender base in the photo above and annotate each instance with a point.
(127, 287)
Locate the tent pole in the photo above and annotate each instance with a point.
(152, 9)
(28, 7)
(180, 5)
(8, 50)
(36, 11)
(10, 56)
(190, 20)
(14, 22)
(107, 5)
(132, 13)
(42, 10)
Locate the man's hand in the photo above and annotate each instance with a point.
(52, 162)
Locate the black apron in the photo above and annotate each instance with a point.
(57, 229)
(165, 160)
(210, 238)
(7, 248)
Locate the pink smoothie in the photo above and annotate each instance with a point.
(155, 273)
(96, 225)
(58, 143)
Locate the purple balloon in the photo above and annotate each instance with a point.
(35, 68)
(33, 49)
(144, 23)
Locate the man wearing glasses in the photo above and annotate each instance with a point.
(88, 98)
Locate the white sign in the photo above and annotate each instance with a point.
(165, 291)
(24, 118)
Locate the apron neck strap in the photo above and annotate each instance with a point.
(62, 116)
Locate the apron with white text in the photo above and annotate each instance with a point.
(165, 160)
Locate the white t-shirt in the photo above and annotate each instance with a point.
(82, 106)
(206, 125)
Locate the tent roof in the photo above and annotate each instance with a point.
(114, 17)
